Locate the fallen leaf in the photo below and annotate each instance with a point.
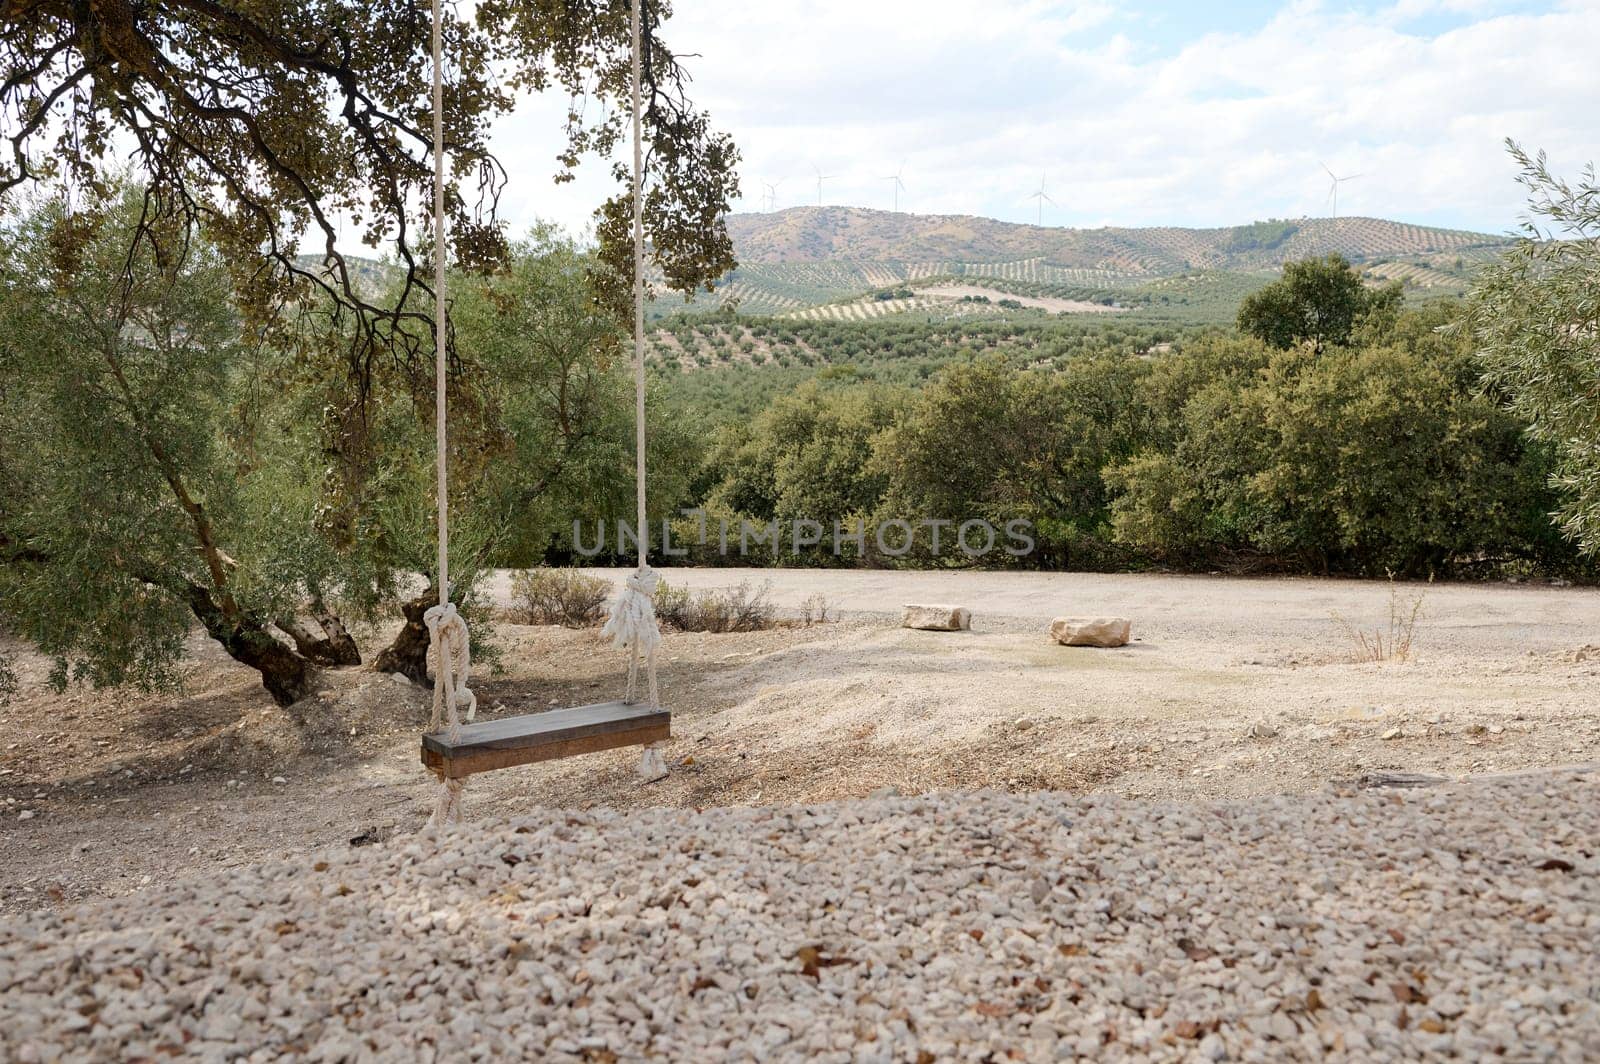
(1432, 1026)
(1313, 1000)
(1554, 864)
(994, 1008)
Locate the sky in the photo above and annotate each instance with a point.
(1134, 113)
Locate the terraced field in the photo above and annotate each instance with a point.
(835, 263)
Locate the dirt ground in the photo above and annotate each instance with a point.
(1232, 688)
(1051, 303)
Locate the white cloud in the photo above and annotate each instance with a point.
(980, 99)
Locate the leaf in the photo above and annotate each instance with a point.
(1314, 1000)
(995, 1009)
(1554, 864)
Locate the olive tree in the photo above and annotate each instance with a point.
(273, 120)
(128, 513)
(1535, 315)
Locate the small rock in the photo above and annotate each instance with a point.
(399, 677)
(1022, 723)
(937, 618)
(27, 814)
(1091, 632)
(1261, 730)
(279, 779)
(1392, 733)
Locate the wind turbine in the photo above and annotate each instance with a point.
(1043, 197)
(821, 177)
(1333, 192)
(898, 185)
(771, 198)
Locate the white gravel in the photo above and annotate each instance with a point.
(1462, 921)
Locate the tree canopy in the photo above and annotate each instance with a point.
(1317, 301)
(268, 120)
(1536, 317)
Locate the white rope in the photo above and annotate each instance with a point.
(447, 632)
(632, 625)
(450, 654)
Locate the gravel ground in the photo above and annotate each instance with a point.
(1458, 921)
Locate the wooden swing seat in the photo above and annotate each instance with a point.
(557, 733)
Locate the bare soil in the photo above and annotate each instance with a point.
(1232, 688)
(1054, 304)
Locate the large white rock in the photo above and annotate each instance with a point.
(1091, 632)
(937, 618)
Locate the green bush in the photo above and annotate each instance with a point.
(1371, 460)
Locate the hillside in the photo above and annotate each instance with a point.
(818, 234)
(848, 263)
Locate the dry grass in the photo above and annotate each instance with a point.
(563, 597)
(1393, 642)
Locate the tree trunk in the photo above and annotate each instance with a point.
(287, 676)
(309, 644)
(332, 647)
(339, 639)
(408, 654)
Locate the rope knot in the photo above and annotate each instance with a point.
(632, 627)
(449, 650)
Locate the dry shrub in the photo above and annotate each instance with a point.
(1392, 643)
(815, 610)
(734, 609)
(559, 596)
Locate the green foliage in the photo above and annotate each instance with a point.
(1260, 236)
(270, 120)
(1535, 315)
(807, 457)
(987, 441)
(129, 508)
(1372, 460)
(1318, 301)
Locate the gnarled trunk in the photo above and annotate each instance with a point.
(342, 643)
(287, 676)
(408, 654)
(332, 646)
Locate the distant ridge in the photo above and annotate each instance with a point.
(851, 263)
(822, 234)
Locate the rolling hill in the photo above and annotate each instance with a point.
(849, 263)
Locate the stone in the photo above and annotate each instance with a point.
(934, 618)
(1091, 632)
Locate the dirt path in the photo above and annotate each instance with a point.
(1234, 688)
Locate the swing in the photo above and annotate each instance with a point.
(451, 749)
